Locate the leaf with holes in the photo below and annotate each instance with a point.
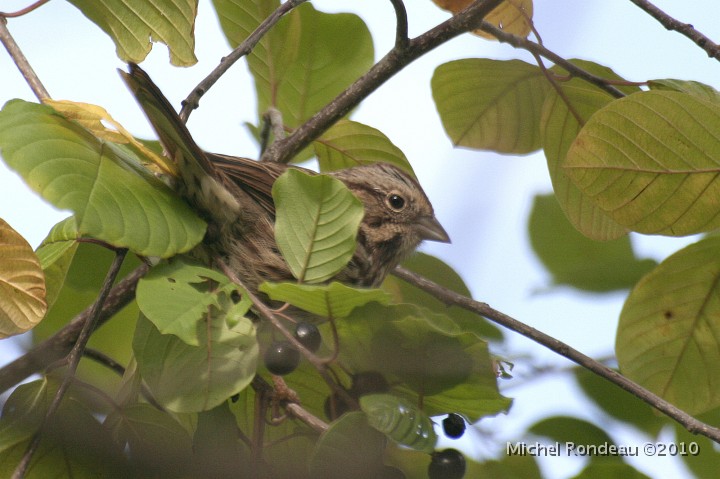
(316, 225)
(650, 161)
(668, 338)
(134, 24)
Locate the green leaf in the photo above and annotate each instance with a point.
(577, 261)
(400, 420)
(186, 378)
(55, 259)
(135, 24)
(114, 199)
(217, 451)
(697, 89)
(423, 354)
(490, 104)
(154, 439)
(442, 274)
(650, 161)
(604, 469)
(23, 413)
(349, 143)
(562, 118)
(22, 284)
(566, 429)
(316, 224)
(350, 449)
(667, 338)
(700, 454)
(175, 296)
(300, 65)
(334, 300)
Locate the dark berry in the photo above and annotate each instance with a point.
(454, 426)
(447, 464)
(335, 406)
(308, 335)
(369, 382)
(281, 358)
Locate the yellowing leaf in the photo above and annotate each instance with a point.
(22, 284)
(94, 118)
(512, 16)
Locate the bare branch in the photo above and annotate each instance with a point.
(21, 62)
(193, 99)
(670, 23)
(449, 297)
(59, 345)
(23, 11)
(397, 59)
(73, 359)
(401, 31)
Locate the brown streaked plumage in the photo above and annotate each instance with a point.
(234, 195)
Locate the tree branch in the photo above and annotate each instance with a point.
(401, 29)
(449, 297)
(397, 59)
(670, 23)
(193, 99)
(21, 62)
(59, 345)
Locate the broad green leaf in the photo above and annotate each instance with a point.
(300, 65)
(605, 469)
(350, 449)
(567, 429)
(176, 296)
(439, 272)
(154, 439)
(217, 450)
(55, 259)
(695, 88)
(23, 413)
(562, 118)
(490, 104)
(422, 353)
(22, 284)
(114, 199)
(334, 300)
(667, 338)
(186, 378)
(316, 224)
(400, 420)
(577, 261)
(349, 143)
(135, 24)
(650, 161)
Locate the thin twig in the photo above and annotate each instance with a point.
(193, 99)
(59, 345)
(450, 297)
(73, 360)
(24, 11)
(21, 62)
(397, 59)
(401, 29)
(670, 23)
(535, 48)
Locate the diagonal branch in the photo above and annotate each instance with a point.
(670, 23)
(398, 58)
(21, 62)
(450, 297)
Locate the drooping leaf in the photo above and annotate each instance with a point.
(349, 143)
(667, 338)
(316, 224)
(400, 420)
(333, 300)
(186, 378)
(22, 284)
(114, 199)
(575, 260)
(135, 24)
(490, 104)
(176, 296)
(350, 448)
(650, 162)
(562, 118)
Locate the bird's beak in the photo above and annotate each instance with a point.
(429, 228)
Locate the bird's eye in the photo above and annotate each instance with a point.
(395, 201)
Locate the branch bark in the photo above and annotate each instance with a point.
(21, 62)
(450, 297)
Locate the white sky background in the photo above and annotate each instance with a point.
(482, 199)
